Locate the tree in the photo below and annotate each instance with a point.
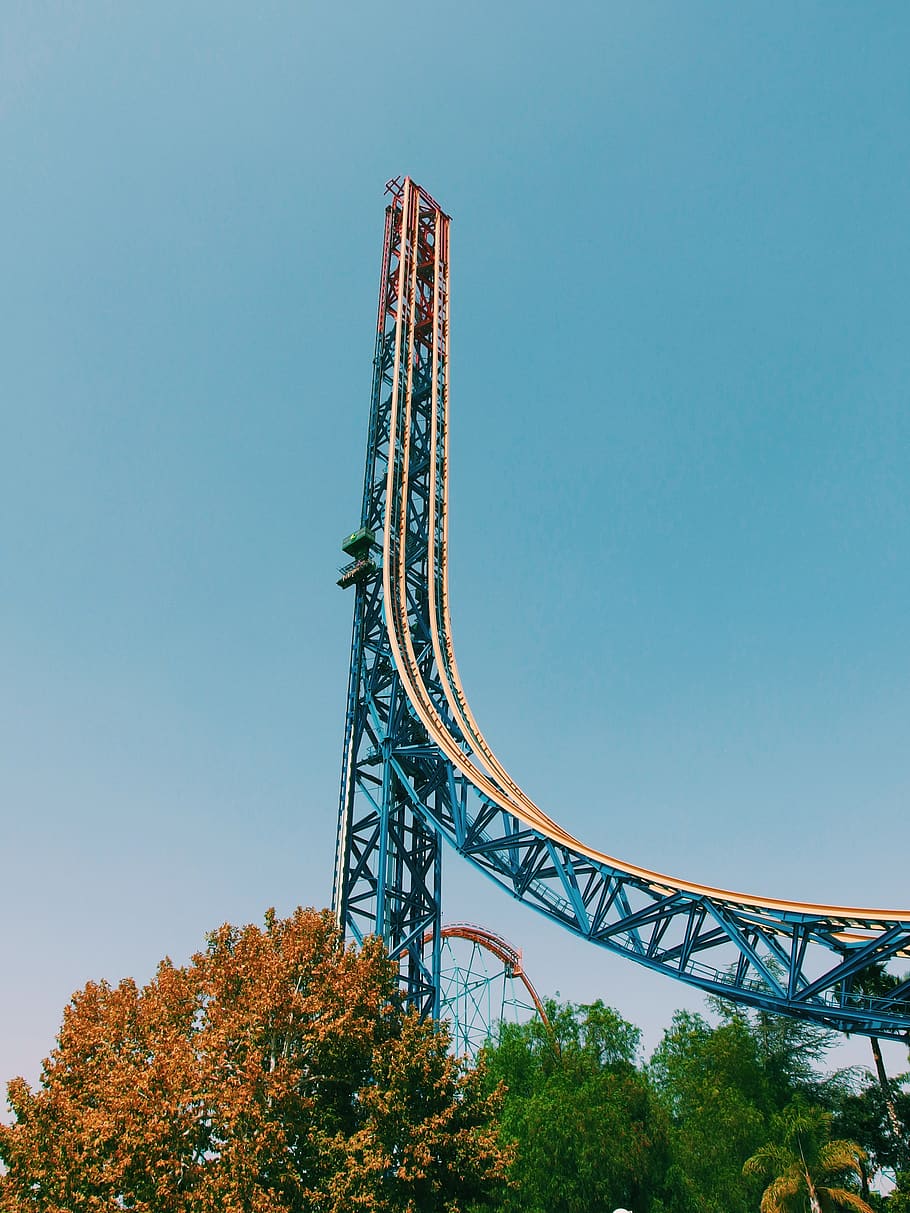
(722, 1086)
(713, 1084)
(275, 1072)
(788, 1050)
(899, 1199)
(877, 983)
(862, 1115)
(804, 1166)
(590, 1135)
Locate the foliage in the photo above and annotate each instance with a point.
(805, 1167)
(589, 1131)
(724, 1084)
(788, 1050)
(864, 1115)
(713, 1084)
(274, 1072)
(894, 1144)
(899, 1200)
(277, 1071)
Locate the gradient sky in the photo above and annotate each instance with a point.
(680, 448)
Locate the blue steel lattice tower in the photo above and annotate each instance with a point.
(388, 863)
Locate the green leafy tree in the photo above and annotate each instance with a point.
(789, 1051)
(899, 1199)
(805, 1168)
(722, 1086)
(589, 1131)
(274, 1072)
(862, 1114)
(877, 982)
(717, 1093)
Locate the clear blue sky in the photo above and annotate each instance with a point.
(680, 449)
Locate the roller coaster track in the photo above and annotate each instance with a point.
(469, 988)
(417, 769)
(508, 956)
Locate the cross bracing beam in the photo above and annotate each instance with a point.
(417, 770)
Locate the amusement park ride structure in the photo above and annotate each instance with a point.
(417, 769)
(482, 983)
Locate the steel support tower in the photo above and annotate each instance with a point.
(388, 873)
(417, 769)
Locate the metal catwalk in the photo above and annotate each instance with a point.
(417, 769)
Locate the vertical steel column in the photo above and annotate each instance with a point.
(388, 870)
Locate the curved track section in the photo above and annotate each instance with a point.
(417, 767)
(477, 993)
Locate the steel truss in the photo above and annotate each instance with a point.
(417, 769)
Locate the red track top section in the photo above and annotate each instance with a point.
(496, 945)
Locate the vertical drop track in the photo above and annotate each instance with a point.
(417, 770)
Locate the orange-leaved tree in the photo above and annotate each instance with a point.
(276, 1071)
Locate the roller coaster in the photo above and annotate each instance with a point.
(483, 986)
(417, 770)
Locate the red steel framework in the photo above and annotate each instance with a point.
(508, 955)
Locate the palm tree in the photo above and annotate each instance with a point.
(806, 1168)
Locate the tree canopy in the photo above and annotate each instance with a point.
(276, 1071)
(589, 1130)
(596, 1128)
